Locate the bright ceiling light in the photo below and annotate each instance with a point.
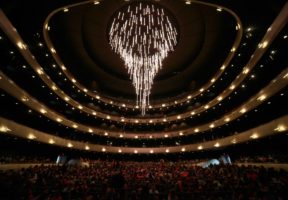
(21, 45)
(217, 144)
(43, 111)
(143, 34)
(262, 97)
(280, 128)
(254, 136)
(59, 119)
(263, 45)
(51, 141)
(31, 136)
(232, 87)
(219, 9)
(227, 119)
(4, 129)
(245, 70)
(24, 98)
(243, 110)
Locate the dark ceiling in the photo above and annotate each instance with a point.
(80, 38)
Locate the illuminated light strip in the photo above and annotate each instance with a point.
(273, 87)
(262, 131)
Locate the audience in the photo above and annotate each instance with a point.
(263, 159)
(10, 158)
(161, 180)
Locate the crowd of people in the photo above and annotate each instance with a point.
(112, 180)
(10, 158)
(263, 159)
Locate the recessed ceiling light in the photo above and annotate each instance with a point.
(51, 141)
(254, 136)
(219, 9)
(217, 144)
(4, 129)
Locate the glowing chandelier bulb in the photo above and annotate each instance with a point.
(142, 34)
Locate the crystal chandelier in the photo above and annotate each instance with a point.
(142, 34)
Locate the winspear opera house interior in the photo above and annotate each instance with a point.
(143, 99)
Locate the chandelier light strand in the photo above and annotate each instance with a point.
(143, 35)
